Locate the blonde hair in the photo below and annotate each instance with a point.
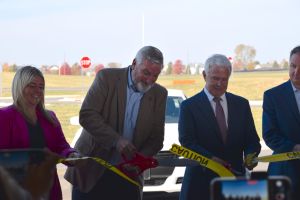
(22, 78)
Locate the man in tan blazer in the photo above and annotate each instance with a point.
(122, 113)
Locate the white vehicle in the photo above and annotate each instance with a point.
(167, 179)
(162, 180)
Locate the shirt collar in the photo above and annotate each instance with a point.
(130, 82)
(211, 97)
(294, 88)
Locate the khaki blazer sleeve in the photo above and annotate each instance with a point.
(98, 114)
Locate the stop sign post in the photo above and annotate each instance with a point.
(85, 62)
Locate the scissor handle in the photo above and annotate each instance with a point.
(139, 160)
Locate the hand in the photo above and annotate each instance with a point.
(126, 148)
(39, 178)
(296, 147)
(74, 162)
(74, 155)
(131, 169)
(10, 188)
(249, 161)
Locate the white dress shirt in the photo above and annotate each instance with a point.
(213, 103)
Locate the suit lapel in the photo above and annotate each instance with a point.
(144, 110)
(291, 100)
(145, 106)
(121, 98)
(208, 112)
(231, 117)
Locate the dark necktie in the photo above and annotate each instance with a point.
(221, 118)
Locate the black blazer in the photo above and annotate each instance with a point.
(281, 128)
(199, 131)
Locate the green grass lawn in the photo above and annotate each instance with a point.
(250, 85)
(64, 112)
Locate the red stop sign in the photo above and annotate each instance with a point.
(85, 62)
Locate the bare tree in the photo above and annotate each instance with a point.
(275, 65)
(169, 68)
(284, 64)
(76, 69)
(244, 56)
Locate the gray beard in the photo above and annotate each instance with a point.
(143, 89)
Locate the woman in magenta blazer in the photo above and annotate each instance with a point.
(27, 124)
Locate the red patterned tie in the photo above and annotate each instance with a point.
(221, 118)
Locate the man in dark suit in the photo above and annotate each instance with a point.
(218, 125)
(281, 122)
(122, 113)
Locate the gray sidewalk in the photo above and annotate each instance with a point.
(65, 185)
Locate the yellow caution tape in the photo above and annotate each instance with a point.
(105, 164)
(203, 161)
(278, 157)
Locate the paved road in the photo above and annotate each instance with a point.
(65, 185)
(75, 99)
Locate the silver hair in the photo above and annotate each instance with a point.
(219, 60)
(150, 53)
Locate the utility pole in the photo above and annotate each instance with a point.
(143, 29)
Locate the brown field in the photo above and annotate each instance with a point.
(250, 85)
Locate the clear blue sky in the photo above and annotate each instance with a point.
(50, 31)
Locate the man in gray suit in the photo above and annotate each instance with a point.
(122, 113)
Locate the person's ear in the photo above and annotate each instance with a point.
(204, 75)
(133, 64)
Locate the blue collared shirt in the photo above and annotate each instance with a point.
(131, 112)
(132, 108)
